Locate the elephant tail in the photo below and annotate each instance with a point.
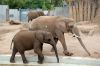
(12, 41)
(11, 44)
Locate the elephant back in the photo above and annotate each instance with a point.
(34, 14)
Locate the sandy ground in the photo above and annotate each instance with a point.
(89, 34)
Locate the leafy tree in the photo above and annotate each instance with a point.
(32, 4)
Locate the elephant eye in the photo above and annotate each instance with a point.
(49, 40)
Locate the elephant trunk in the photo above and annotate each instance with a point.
(83, 45)
(77, 35)
(56, 53)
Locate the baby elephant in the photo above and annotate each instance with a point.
(27, 40)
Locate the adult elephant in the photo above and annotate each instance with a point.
(57, 26)
(34, 14)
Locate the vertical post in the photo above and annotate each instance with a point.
(91, 10)
(7, 14)
(20, 14)
(86, 10)
(83, 11)
(78, 10)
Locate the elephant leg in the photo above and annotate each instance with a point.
(23, 57)
(40, 55)
(41, 47)
(12, 59)
(61, 38)
(56, 40)
(40, 59)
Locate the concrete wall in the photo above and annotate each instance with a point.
(13, 14)
(60, 11)
(21, 14)
(3, 12)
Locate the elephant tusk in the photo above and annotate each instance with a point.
(74, 35)
(46, 26)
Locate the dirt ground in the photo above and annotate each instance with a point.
(89, 33)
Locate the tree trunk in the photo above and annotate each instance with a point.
(96, 7)
(91, 10)
(72, 10)
(75, 10)
(87, 11)
(83, 9)
(78, 14)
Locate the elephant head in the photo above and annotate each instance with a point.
(47, 37)
(74, 30)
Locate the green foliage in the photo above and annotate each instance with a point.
(57, 2)
(32, 4)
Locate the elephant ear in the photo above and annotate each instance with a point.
(70, 27)
(39, 36)
(75, 30)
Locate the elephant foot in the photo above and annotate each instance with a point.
(67, 53)
(40, 62)
(12, 61)
(25, 62)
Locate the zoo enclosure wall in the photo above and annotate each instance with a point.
(21, 14)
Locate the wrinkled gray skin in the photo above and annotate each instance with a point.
(27, 40)
(57, 26)
(34, 14)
